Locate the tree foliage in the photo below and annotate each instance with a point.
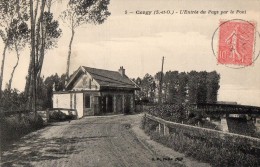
(80, 12)
(53, 82)
(45, 32)
(181, 88)
(13, 28)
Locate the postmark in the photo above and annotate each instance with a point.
(236, 43)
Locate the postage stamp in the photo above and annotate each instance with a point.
(236, 42)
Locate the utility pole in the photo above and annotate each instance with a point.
(160, 84)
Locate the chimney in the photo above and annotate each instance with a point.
(122, 71)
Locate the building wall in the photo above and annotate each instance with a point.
(100, 103)
(79, 104)
(85, 82)
(61, 100)
(69, 100)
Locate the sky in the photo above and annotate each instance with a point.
(138, 42)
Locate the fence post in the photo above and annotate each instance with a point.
(224, 124)
(165, 130)
(159, 128)
(47, 115)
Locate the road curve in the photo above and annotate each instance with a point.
(94, 141)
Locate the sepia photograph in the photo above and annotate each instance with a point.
(128, 83)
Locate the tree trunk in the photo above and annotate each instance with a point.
(42, 49)
(14, 68)
(2, 68)
(33, 94)
(31, 83)
(69, 54)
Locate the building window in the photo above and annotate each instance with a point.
(87, 101)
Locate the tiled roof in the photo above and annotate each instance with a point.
(105, 78)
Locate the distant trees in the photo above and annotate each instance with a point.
(181, 88)
(14, 100)
(59, 84)
(148, 87)
(80, 12)
(212, 86)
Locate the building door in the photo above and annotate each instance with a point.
(119, 104)
(87, 104)
(96, 105)
(106, 104)
(127, 104)
(109, 102)
(103, 104)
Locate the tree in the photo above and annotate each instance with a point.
(12, 16)
(148, 87)
(192, 85)
(44, 35)
(18, 40)
(170, 86)
(59, 83)
(182, 88)
(212, 86)
(80, 12)
(202, 87)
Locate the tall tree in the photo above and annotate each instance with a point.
(212, 86)
(192, 87)
(80, 12)
(173, 87)
(202, 87)
(18, 41)
(148, 87)
(157, 79)
(182, 88)
(11, 14)
(45, 32)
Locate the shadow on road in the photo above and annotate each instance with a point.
(40, 149)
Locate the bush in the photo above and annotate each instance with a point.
(14, 127)
(57, 115)
(214, 147)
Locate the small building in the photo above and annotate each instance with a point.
(94, 91)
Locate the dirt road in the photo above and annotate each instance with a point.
(94, 141)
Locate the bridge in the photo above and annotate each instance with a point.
(220, 109)
(234, 117)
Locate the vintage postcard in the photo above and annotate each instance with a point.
(129, 83)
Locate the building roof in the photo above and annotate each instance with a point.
(105, 78)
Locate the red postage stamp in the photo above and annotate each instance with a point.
(236, 43)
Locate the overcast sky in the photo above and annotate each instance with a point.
(138, 43)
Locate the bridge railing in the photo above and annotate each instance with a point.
(163, 128)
